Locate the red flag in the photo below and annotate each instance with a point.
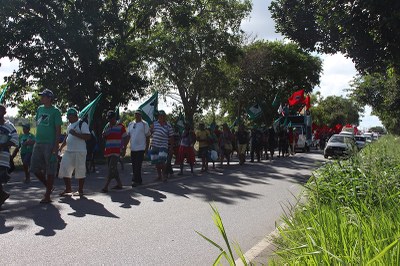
(307, 101)
(297, 97)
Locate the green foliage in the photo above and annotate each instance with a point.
(381, 92)
(228, 255)
(189, 45)
(351, 216)
(336, 110)
(266, 69)
(363, 30)
(75, 48)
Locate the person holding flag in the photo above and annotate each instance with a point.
(74, 158)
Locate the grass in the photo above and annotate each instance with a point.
(351, 216)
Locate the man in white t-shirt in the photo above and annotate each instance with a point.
(139, 136)
(74, 158)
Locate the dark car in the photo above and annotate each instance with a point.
(340, 145)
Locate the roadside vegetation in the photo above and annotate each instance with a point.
(351, 213)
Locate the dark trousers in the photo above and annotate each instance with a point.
(137, 161)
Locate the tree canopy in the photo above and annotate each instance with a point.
(268, 69)
(76, 48)
(335, 110)
(365, 31)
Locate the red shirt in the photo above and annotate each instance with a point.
(113, 136)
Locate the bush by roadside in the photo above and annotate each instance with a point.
(351, 214)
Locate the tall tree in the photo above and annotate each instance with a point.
(381, 92)
(76, 48)
(190, 40)
(335, 110)
(268, 69)
(365, 31)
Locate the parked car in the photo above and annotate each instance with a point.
(340, 145)
(368, 136)
(360, 141)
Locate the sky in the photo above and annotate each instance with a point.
(338, 70)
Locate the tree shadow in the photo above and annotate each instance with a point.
(83, 206)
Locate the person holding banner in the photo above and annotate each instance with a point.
(44, 160)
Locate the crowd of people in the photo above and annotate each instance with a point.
(160, 141)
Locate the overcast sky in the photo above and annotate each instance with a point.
(338, 71)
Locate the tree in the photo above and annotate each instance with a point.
(190, 42)
(335, 110)
(76, 48)
(268, 69)
(381, 92)
(365, 31)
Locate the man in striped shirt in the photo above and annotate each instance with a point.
(162, 134)
(113, 133)
(8, 138)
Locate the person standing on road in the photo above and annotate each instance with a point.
(48, 130)
(242, 137)
(163, 134)
(113, 133)
(8, 138)
(74, 158)
(138, 134)
(26, 142)
(203, 137)
(186, 149)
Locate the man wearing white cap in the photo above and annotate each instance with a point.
(74, 158)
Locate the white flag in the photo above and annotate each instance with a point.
(149, 107)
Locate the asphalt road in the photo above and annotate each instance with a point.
(154, 224)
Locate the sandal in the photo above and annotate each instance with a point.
(65, 193)
(78, 193)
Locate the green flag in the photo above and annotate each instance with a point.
(117, 115)
(254, 111)
(3, 93)
(87, 113)
(149, 107)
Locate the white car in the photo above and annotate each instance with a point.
(340, 145)
(361, 141)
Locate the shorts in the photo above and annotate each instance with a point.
(73, 161)
(43, 159)
(203, 152)
(185, 152)
(158, 155)
(26, 158)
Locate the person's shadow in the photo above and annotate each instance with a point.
(83, 206)
(48, 217)
(156, 195)
(125, 198)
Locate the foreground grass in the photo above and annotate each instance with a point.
(351, 215)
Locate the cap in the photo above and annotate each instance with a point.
(110, 114)
(47, 92)
(161, 112)
(72, 111)
(27, 125)
(138, 111)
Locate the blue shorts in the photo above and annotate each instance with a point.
(158, 155)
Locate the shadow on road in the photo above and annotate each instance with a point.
(84, 206)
